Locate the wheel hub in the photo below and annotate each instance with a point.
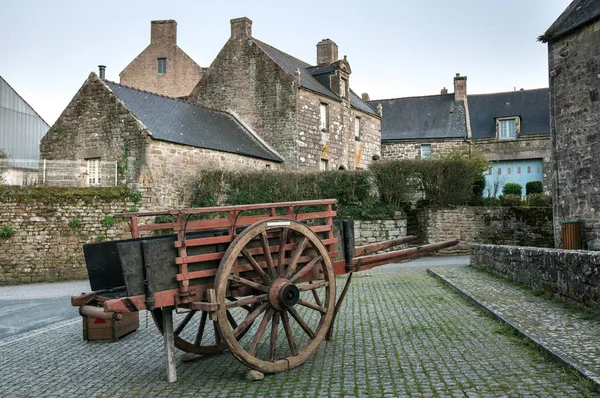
(283, 294)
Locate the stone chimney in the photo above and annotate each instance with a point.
(365, 97)
(163, 32)
(241, 27)
(327, 52)
(444, 91)
(460, 88)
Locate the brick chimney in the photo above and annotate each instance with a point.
(460, 88)
(163, 32)
(365, 97)
(241, 27)
(327, 52)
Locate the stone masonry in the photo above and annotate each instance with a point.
(182, 73)
(48, 239)
(371, 231)
(574, 67)
(412, 149)
(96, 124)
(570, 274)
(245, 80)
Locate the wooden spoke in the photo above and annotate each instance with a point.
(273, 340)
(231, 320)
(289, 334)
(184, 323)
(249, 319)
(294, 260)
(249, 300)
(201, 326)
(262, 328)
(256, 266)
(282, 242)
(313, 286)
(301, 322)
(312, 306)
(249, 283)
(217, 333)
(264, 242)
(306, 268)
(315, 295)
(246, 307)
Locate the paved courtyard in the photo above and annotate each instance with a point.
(400, 333)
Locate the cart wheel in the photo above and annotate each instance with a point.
(282, 289)
(194, 331)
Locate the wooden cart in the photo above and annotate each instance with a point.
(234, 277)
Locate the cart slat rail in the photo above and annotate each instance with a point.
(232, 271)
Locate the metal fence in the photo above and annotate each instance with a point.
(66, 173)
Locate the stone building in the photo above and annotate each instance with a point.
(160, 143)
(511, 128)
(574, 69)
(163, 67)
(308, 113)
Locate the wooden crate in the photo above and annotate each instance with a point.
(100, 329)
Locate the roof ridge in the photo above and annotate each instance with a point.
(144, 91)
(414, 96)
(514, 91)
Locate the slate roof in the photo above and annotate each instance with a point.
(533, 106)
(429, 117)
(578, 13)
(289, 64)
(179, 122)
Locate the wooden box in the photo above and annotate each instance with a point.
(100, 329)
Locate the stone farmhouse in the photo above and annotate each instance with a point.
(574, 69)
(163, 67)
(512, 129)
(159, 142)
(308, 113)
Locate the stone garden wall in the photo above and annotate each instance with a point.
(573, 275)
(45, 244)
(372, 231)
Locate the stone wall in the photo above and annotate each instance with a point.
(573, 275)
(412, 149)
(337, 145)
(371, 231)
(172, 169)
(574, 67)
(530, 226)
(182, 73)
(48, 239)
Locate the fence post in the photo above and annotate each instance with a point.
(44, 174)
(116, 174)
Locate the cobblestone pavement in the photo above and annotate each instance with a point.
(400, 333)
(571, 336)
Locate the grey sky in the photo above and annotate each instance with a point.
(395, 48)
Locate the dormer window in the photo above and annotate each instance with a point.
(507, 128)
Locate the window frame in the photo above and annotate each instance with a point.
(356, 128)
(93, 174)
(426, 155)
(500, 122)
(323, 117)
(164, 68)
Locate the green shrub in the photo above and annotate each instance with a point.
(510, 200)
(512, 188)
(136, 196)
(74, 223)
(533, 187)
(396, 180)
(7, 231)
(539, 200)
(108, 221)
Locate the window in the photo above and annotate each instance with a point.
(507, 129)
(324, 165)
(93, 171)
(499, 171)
(162, 66)
(324, 117)
(426, 151)
(528, 169)
(357, 129)
(518, 170)
(510, 170)
(343, 87)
